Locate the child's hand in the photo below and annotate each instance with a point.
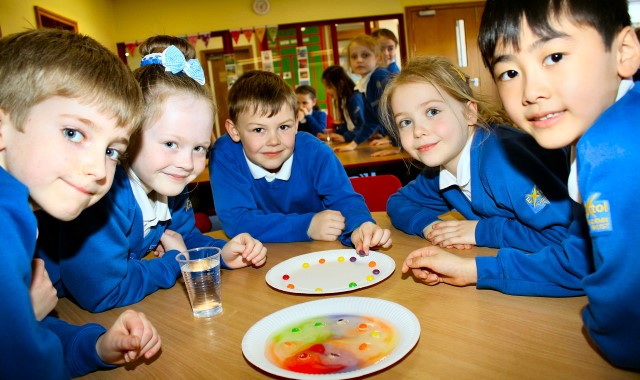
(171, 240)
(346, 148)
(336, 137)
(132, 336)
(370, 235)
(301, 114)
(244, 249)
(44, 296)
(326, 225)
(383, 141)
(386, 152)
(459, 234)
(432, 265)
(159, 251)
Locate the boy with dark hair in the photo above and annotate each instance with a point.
(563, 70)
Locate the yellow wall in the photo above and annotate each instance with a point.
(95, 17)
(112, 21)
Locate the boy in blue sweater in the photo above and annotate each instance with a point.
(279, 185)
(563, 71)
(66, 109)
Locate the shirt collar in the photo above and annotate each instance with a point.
(572, 182)
(463, 176)
(155, 207)
(259, 172)
(363, 82)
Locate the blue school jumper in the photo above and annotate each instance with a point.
(601, 257)
(315, 122)
(281, 211)
(50, 349)
(106, 241)
(377, 83)
(393, 68)
(518, 193)
(355, 108)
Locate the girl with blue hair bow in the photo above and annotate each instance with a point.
(96, 260)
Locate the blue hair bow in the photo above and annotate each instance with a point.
(173, 60)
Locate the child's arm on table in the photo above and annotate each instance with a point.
(243, 250)
(44, 296)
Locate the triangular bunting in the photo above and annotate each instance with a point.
(131, 47)
(272, 32)
(235, 35)
(248, 32)
(260, 31)
(205, 38)
(193, 39)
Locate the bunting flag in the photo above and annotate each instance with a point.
(260, 31)
(193, 39)
(272, 32)
(131, 47)
(205, 38)
(235, 34)
(248, 32)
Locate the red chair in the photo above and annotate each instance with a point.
(376, 189)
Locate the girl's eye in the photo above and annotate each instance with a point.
(431, 112)
(200, 149)
(73, 135)
(552, 59)
(170, 144)
(113, 154)
(404, 123)
(507, 75)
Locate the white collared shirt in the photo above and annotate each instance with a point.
(155, 207)
(363, 82)
(572, 182)
(259, 172)
(462, 179)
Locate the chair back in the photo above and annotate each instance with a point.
(376, 189)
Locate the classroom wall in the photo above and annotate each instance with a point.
(95, 18)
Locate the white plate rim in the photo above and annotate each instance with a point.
(405, 322)
(274, 275)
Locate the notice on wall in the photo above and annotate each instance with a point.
(267, 60)
(231, 69)
(303, 65)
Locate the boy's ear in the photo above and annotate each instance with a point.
(232, 130)
(628, 52)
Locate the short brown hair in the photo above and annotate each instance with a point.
(39, 64)
(260, 92)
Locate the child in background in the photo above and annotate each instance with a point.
(388, 45)
(562, 71)
(364, 56)
(149, 202)
(279, 185)
(66, 104)
(512, 192)
(310, 118)
(341, 88)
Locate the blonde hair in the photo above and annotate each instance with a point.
(444, 76)
(366, 41)
(40, 64)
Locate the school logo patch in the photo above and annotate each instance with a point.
(536, 200)
(188, 206)
(598, 214)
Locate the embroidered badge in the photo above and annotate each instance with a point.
(536, 200)
(188, 205)
(598, 214)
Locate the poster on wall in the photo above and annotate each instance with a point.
(231, 69)
(303, 65)
(267, 61)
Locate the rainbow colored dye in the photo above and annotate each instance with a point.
(331, 344)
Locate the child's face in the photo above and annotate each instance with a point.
(388, 48)
(305, 102)
(66, 154)
(433, 127)
(267, 141)
(362, 59)
(556, 88)
(173, 150)
(331, 91)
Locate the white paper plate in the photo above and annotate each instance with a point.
(404, 322)
(334, 271)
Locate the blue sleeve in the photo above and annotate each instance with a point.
(555, 271)
(528, 186)
(316, 122)
(99, 267)
(609, 182)
(183, 222)
(417, 204)
(237, 208)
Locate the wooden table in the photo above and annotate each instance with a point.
(465, 333)
(352, 160)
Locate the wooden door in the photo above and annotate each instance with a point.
(431, 30)
(215, 72)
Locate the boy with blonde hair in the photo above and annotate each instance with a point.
(67, 107)
(279, 185)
